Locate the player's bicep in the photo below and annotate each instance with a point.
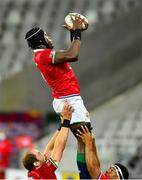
(64, 56)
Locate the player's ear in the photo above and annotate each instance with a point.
(36, 163)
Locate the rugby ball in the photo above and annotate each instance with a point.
(70, 16)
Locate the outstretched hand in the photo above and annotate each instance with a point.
(77, 23)
(84, 134)
(66, 112)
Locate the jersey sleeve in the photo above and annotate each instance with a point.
(52, 165)
(47, 56)
(33, 175)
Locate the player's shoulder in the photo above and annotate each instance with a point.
(33, 175)
(48, 52)
(40, 55)
(42, 51)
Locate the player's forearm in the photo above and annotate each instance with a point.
(74, 50)
(62, 138)
(69, 55)
(51, 142)
(76, 42)
(92, 160)
(91, 147)
(75, 46)
(60, 143)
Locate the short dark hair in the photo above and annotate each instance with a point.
(35, 38)
(28, 161)
(123, 169)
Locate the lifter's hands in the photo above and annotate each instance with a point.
(66, 112)
(85, 135)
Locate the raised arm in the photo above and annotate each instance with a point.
(72, 53)
(49, 147)
(62, 136)
(91, 155)
(69, 55)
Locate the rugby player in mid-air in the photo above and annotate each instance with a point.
(57, 72)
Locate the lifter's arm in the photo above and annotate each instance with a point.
(50, 145)
(65, 114)
(91, 155)
(61, 139)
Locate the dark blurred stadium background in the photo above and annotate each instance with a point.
(109, 72)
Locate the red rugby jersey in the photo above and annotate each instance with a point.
(46, 171)
(60, 77)
(103, 176)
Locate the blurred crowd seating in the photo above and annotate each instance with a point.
(18, 16)
(14, 129)
(17, 131)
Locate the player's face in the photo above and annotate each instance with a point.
(39, 156)
(48, 40)
(111, 172)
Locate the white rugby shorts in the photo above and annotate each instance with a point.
(80, 113)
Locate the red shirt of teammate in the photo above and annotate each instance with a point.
(60, 77)
(103, 176)
(46, 171)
